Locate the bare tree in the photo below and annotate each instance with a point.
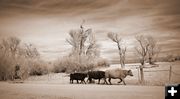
(77, 40)
(92, 48)
(10, 46)
(31, 51)
(142, 48)
(153, 50)
(170, 57)
(83, 42)
(12, 53)
(142, 51)
(122, 50)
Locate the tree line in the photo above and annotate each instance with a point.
(15, 54)
(84, 55)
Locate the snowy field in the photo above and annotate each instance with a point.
(57, 86)
(79, 91)
(155, 76)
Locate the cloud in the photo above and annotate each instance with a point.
(53, 19)
(52, 6)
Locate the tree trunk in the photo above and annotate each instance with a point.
(142, 71)
(121, 61)
(150, 61)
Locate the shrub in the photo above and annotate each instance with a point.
(6, 68)
(70, 64)
(26, 68)
(102, 63)
(38, 68)
(14, 53)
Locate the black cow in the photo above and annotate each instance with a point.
(78, 76)
(96, 75)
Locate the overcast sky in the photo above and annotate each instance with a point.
(46, 23)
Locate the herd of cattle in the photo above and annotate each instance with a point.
(98, 75)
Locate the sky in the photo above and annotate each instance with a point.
(46, 23)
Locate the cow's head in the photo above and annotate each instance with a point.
(130, 73)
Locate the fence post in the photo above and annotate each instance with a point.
(138, 74)
(170, 70)
(142, 74)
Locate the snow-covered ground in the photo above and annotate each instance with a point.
(153, 76)
(78, 91)
(56, 86)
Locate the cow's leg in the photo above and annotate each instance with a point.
(123, 81)
(99, 81)
(110, 81)
(81, 82)
(84, 81)
(77, 81)
(105, 82)
(120, 80)
(87, 80)
(90, 80)
(72, 81)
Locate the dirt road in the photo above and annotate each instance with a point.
(79, 91)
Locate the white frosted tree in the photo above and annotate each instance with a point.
(142, 51)
(83, 43)
(153, 50)
(122, 50)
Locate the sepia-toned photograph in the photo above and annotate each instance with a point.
(89, 49)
